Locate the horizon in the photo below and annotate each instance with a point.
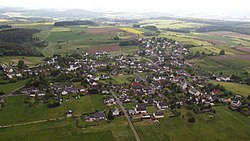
(195, 7)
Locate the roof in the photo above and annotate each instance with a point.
(141, 109)
(159, 113)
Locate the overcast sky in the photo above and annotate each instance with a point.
(207, 6)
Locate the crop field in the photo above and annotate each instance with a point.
(131, 30)
(60, 29)
(230, 57)
(241, 89)
(227, 125)
(228, 66)
(104, 31)
(173, 24)
(226, 33)
(15, 105)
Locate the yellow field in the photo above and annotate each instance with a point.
(60, 29)
(131, 30)
(3, 20)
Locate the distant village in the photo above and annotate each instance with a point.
(161, 77)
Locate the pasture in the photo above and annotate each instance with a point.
(227, 125)
(17, 105)
(236, 88)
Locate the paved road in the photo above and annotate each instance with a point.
(126, 115)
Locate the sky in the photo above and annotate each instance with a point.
(195, 6)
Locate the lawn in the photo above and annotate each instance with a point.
(227, 126)
(23, 112)
(236, 88)
(9, 87)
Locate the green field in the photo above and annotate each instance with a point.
(7, 88)
(227, 126)
(236, 88)
(15, 105)
(66, 129)
(59, 130)
(30, 61)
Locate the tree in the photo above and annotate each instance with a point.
(20, 64)
(222, 52)
(110, 115)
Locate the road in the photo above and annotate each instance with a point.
(126, 115)
(9, 94)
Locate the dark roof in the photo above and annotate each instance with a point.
(141, 109)
(159, 113)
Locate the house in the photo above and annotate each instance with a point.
(162, 106)
(64, 92)
(131, 112)
(69, 113)
(145, 116)
(95, 117)
(140, 110)
(41, 93)
(115, 111)
(109, 100)
(158, 114)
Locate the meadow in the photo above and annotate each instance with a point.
(16, 105)
(236, 88)
(227, 125)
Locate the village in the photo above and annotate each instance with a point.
(157, 78)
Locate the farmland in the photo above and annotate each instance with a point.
(228, 125)
(23, 112)
(119, 75)
(131, 30)
(235, 88)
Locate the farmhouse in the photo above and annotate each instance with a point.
(95, 117)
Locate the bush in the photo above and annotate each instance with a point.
(191, 119)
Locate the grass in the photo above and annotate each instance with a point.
(131, 30)
(120, 79)
(130, 49)
(227, 125)
(9, 87)
(228, 67)
(236, 88)
(24, 113)
(172, 24)
(56, 130)
(31, 61)
(60, 29)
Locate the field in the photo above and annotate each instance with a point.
(227, 126)
(108, 48)
(15, 105)
(9, 87)
(232, 34)
(173, 24)
(60, 29)
(30, 61)
(103, 31)
(131, 30)
(241, 89)
(67, 131)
